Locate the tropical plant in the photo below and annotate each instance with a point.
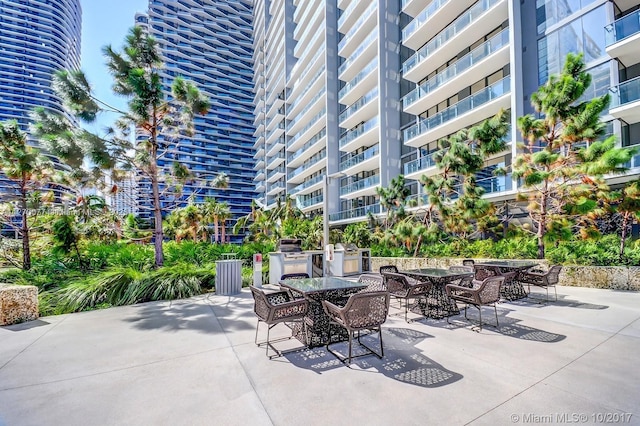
(28, 171)
(159, 120)
(394, 200)
(563, 162)
(626, 202)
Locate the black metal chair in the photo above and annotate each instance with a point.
(363, 311)
(374, 282)
(276, 308)
(294, 276)
(465, 281)
(401, 288)
(542, 279)
(487, 293)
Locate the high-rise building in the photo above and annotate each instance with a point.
(37, 38)
(209, 43)
(362, 91)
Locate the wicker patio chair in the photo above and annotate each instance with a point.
(363, 311)
(276, 308)
(374, 282)
(401, 288)
(542, 279)
(465, 281)
(394, 270)
(487, 293)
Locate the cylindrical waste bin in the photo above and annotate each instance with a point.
(228, 277)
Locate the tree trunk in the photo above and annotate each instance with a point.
(223, 238)
(157, 212)
(24, 228)
(623, 237)
(542, 224)
(427, 214)
(215, 230)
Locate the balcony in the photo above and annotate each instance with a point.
(276, 188)
(366, 160)
(350, 15)
(625, 101)
(472, 109)
(311, 108)
(416, 168)
(482, 60)
(413, 7)
(314, 126)
(275, 160)
(366, 22)
(622, 37)
(362, 109)
(312, 146)
(431, 21)
(313, 86)
(496, 184)
(308, 186)
(360, 84)
(360, 188)
(357, 213)
(259, 176)
(479, 19)
(308, 202)
(312, 165)
(367, 50)
(275, 146)
(276, 174)
(365, 134)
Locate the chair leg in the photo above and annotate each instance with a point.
(256, 337)
(495, 308)
(480, 313)
(556, 292)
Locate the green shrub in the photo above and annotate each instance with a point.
(168, 283)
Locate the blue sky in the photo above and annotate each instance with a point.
(103, 23)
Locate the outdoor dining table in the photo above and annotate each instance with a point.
(438, 304)
(512, 289)
(315, 290)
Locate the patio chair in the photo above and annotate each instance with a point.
(276, 308)
(363, 311)
(465, 281)
(294, 276)
(485, 294)
(394, 270)
(468, 262)
(542, 279)
(373, 282)
(401, 288)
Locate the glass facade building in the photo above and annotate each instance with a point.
(210, 43)
(411, 72)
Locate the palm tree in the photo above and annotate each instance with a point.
(28, 170)
(224, 214)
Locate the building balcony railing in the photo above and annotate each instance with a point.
(420, 164)
(359, 158)
(354, 107)
(311, 123)
(307, 184)
(293, 155)
(350, 135)
(309, 163)
(306, 109)
(467, 61)
(361, 184)
(367, 41)
(622, 28)
(423, 17)
(367, 13)
(625, 93)
(308, 202)
(358, 78)
(463, 21)
(469, 103)
(358, 212)
(275, 171)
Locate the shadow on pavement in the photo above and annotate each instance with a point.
(25, 325)
(401, 361)
(540, 301)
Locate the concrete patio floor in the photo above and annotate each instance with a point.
(194, 362)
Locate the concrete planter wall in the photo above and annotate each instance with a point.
(611, 277)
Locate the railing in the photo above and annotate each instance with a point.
(421, 163)
(359, 185)
(308, 107)
(309, 163)
(275, 171)
(307, 184)
(622, 28)
(347, 12)
(273, 157)
(270, 146)
(352, 134)
(445, 35)
(312, 122)
(626, 92)
(367, 41)
(313, 79)
(307, 202)
(467, 61)
(276, 185)
(308, 144)
(359, 158)
(496, 183)
(355, 213)
(358, 78)
(469, 103)
(357, 25)
(422, 17)
(351, 109)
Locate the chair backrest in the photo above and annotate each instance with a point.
(366, 309)
(373, 282)
(389, 268)
(489, 291)
(461, 269)
(295, 276)
(483, 272)
(553, 275)
(468, 262)
(396, 283)
(261, 305)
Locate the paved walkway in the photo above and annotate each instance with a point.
(194, 362)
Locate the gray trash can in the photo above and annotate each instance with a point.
(228, 277)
